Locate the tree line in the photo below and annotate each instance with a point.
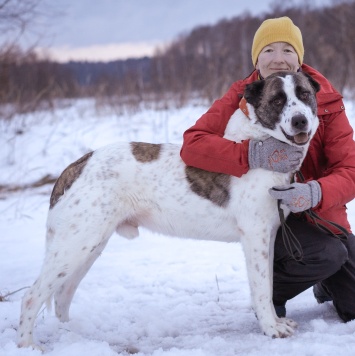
(203, 63)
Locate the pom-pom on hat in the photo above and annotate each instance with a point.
(281, 29)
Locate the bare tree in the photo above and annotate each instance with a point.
(16, 16)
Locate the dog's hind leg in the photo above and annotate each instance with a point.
(52, 275)
(61, 259)
(64, 295)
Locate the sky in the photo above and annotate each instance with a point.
(119, 29)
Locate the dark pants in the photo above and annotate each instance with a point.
(326, 259)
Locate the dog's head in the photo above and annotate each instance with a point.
(285, 105)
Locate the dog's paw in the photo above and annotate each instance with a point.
(288, 321)
(31, 346)
(283, 327)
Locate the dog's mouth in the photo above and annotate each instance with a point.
(300, 139)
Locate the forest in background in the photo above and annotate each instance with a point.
(202, 63)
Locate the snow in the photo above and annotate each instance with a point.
(154, 295)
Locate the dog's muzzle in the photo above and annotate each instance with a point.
(299, 125)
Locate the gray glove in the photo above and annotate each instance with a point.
(274, 155)
(298, 196)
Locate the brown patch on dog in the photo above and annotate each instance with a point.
(145, 152)
(209, 185)
(67, 178)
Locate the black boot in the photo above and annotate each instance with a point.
(280, 310)
(321, 294)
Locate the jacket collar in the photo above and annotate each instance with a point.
(327, 94)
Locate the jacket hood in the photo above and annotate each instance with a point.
(327, 93)
(329, 100)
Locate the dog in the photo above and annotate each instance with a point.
(123, 186)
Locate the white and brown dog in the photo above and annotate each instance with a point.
(123, 186)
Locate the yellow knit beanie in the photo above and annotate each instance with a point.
(281, 29)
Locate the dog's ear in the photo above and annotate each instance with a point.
(314, 83)
(253, 91)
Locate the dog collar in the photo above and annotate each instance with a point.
(243, 107)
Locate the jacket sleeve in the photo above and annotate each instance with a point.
(338, 181)
(204, 146)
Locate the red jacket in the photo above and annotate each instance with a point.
(330, 159)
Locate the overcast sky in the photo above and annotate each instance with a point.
(112, 29)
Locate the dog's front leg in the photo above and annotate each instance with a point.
(258, 246)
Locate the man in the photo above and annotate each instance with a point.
(328, 263)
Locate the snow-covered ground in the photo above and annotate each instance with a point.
(154, 295)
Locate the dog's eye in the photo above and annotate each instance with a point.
(278, 102)
(305, 96)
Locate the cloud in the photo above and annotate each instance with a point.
(105, 52)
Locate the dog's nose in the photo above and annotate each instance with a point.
(300, 122)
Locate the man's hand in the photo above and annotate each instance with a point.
(298, 196)
(274, 155)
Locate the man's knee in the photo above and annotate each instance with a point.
(335, 254)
